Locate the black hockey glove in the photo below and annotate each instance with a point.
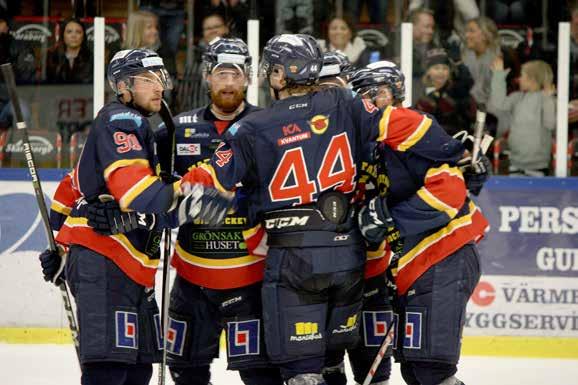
(477, 174)
(376, 224)
(206, 204)
(106, 217)
(52, 263)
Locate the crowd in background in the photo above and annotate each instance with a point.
(466, 53)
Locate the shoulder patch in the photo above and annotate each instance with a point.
(127, 116)
(234, 128)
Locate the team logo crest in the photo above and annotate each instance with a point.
(412, 338)
(126, 330)
(243, 338)
(176, 336)
(375, 325)
(293, 69)
(319, 124)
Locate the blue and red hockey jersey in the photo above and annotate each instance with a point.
(428, 201)
(213, 257)
(301, 146)
(118, 159)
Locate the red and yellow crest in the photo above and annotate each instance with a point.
(319, 124)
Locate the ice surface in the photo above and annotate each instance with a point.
(56, 364)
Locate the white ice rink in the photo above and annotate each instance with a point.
(56, 365)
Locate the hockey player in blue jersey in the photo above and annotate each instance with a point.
(376, 310)
(218, 279)
(112, 276)
(299, 162)
(218, 282)
(438, 267)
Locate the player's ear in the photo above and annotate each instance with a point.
(208, 78)
(123, 91)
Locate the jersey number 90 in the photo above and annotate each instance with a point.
(291, 180)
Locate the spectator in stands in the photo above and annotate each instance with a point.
(171, 19)
(70, 61)
(214, 25)
(423, 40)
(19, 53)
(191, 90)
(450, 15)
(236, 12)
(447, 93)
(142, 31)
(482, 48)
(530, 115)
(341, 37)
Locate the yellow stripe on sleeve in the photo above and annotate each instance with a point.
(420, 131)
(136, 190)
(124, 163)
(60, 208)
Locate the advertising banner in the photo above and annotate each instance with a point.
(533, 227)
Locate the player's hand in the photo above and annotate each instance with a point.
(106, 217)
(476, 175)
(374, 220)
(206, 204)
(52, 262)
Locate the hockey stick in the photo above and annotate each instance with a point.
(167, 119)
(8, 73)
(478, 132)
(380, 354)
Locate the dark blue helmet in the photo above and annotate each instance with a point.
(370, 78)
(230, 52)
(131, 62)
(299, 55)
(335, 63)
(396, 79)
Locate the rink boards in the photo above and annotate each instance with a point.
(526, 303)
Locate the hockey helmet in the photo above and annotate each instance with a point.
(131, 62)
(227, 52)
(374, 75)
(394, 76)
(298, 54)
(335, 63)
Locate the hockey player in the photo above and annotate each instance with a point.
(298, 161)
(112, 277)
(438, 267)
(336, 70)
(376, 310)
(218, 282)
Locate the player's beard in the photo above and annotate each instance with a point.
(227, 103)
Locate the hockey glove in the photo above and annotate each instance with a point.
(206, 204)
(477, 174)
(375, 222)
(52, 262)
(106, 217)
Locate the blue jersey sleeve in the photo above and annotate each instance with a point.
(124, 149)
(404, 130)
